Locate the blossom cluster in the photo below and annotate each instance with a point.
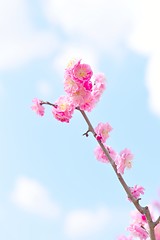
(83, 90)
(122, 160)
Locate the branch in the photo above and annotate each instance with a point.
(48, 103)
(142, 210)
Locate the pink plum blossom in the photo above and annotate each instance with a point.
(64, 109)
(83, 99)
(138, 231)
(138, 218)
(100, 155)
(136, 191)
(102, 130)
(70, 86)
(37, 107)
(139, 227)
(81, 72)
(124, 160)
(87, 104)
(83, 88)
(98, 86)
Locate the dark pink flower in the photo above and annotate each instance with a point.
(81, 72)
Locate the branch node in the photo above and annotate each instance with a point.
(86, 133)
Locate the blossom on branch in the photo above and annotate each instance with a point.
(100, 155)
(102, 130)
(64, 109)
(84, 89)
(124, 160)
(80, 72)
(99, 86)
(138, 231)
(136, 191)
(37, 107)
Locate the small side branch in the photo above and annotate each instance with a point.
(157, 221)
(48, 103)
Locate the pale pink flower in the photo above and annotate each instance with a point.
(138, 231)
(79, 96)
(37, 106)
(124, 160)
(125, 238)
(157, 231)
(99, 86)
(82, 99)
(137, 191)
(139, 218)
(70, 86)
(64, 109)
(102, 130)
(100, 155)
(71, 63)
(87, 104)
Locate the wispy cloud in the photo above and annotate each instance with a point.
(83, 222)
(145, 40)
(102, 24)
(20, 42)
(31, 196)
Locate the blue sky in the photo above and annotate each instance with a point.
(52, 187)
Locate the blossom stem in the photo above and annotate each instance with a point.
(142, 210)
(48, 103)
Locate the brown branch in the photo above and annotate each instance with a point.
(48, 103)
(142, 210)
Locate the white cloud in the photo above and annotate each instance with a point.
(19, 41)
(145, 36)
(83, 223)
(104, 24)
(145, 40)
(153, 83)
(34, 198)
